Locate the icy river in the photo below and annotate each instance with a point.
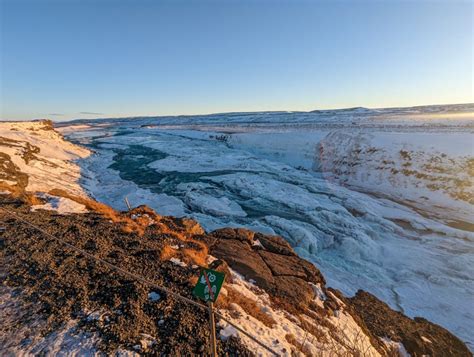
(378, 200)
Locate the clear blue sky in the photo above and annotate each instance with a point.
(68, 59)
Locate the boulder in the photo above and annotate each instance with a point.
(418, 336)
(272, 264)
(221, 266)
(294, 290)
(274, 244)
(241, 234)
(283, 264)
(240, 257)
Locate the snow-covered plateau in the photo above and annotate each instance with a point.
(380, 200)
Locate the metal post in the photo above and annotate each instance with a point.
(128, 203)
(212, 330)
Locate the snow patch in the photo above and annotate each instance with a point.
(287, 337)
(60, 204)
(178, 262)
(396, 347)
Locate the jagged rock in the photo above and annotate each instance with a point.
(240, 257)
(293, 289)
(283, 265)
(273, 265)
(291, 266)
(419, 336)
(241, 234)
(275, 244)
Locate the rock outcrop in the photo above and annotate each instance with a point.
(419, 336)
(268, 260)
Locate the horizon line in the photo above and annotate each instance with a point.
(233, 112)
(259, 111)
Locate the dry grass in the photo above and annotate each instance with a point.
(194, 256)
(18, 192)
(291, 339)
(89, 203)
(248, 305)
(128, 224)
(291, 306)
(143, 217)
(167, 253)
(314, 330)
(14, 190)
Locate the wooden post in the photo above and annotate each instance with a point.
(128, 203)
(212, 330)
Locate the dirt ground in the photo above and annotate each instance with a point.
(59, 285)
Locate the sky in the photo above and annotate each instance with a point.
(65, 59)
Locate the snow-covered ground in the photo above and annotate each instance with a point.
(341, 336)
(377, 199)
(62, 205)
(35, 149)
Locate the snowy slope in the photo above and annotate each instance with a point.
(35, 149)
(340, 335)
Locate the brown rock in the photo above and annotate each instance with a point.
(240, 257)
(275, 244)
(312, 273)
(273, 265)
(241, 234)
(245, 234)
(382, 321)
(283, 264)
(224, 233)
(292, 266)
(293, 289)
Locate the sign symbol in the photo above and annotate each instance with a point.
(209, 285)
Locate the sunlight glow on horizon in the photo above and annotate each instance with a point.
(158, 58)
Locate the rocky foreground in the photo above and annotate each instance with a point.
(55, 285)
(54, 299)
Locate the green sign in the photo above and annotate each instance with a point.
(209, 285)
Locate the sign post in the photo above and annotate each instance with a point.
(207, 288)
(212, 330)
(128, 203)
